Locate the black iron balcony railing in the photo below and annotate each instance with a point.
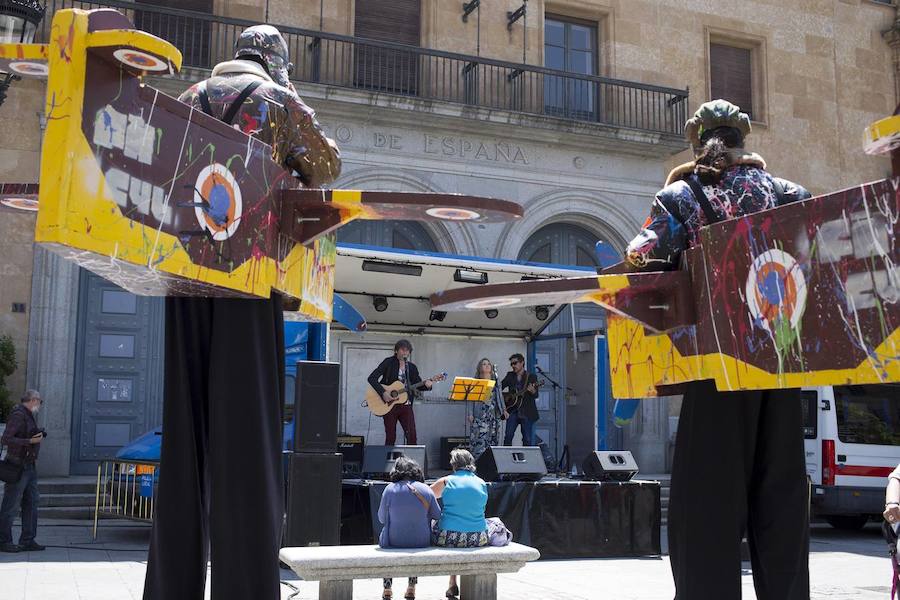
(396, 69)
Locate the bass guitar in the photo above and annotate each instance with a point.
(399, 394)
(513, 399)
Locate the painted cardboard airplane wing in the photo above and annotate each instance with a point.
(162, 199)
(804, 294)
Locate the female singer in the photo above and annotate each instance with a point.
(485, 429)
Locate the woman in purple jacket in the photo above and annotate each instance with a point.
(407, 508)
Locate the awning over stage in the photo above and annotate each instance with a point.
(405, 279)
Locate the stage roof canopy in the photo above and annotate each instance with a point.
(406, 279)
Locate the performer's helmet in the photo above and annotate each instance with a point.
(266, 43)
(714, 115)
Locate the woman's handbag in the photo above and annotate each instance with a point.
(498, 534)
(10, 472)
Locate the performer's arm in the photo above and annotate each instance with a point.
(664, 236)
(792, 191)
(305, 148)
(415, 378)
(376, 376)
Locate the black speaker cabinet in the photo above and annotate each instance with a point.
(378, 461)
(316, 406)
(314, 500)
(609, 465)
(511, 463)
(447, 445)
(351, 448)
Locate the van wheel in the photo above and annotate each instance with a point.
(848, 522)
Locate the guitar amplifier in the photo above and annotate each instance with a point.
(447, 445)
(352, 448)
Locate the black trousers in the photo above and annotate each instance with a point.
(221, 488)
(739, 467)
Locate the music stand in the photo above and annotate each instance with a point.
(470, 389)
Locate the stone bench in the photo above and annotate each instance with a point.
(335, 567)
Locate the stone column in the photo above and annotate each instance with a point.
(51, 354)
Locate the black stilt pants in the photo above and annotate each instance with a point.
(739, 467)
(221, 490)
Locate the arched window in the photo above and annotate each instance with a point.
(405, 235)
(562, 244)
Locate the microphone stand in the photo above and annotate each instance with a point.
(552, 381)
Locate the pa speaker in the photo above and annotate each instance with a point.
(316, 406)
(511, 463)
(609, 465)
(448, 444)
(378, 461)
(314, 500)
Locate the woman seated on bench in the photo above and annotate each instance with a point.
(464, 494)
(407, 508)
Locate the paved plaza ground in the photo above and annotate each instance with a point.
(843, 566)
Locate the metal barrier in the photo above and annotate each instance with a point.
(126, 490)
(396, 69)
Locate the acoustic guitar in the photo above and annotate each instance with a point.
(399, 395)
(513, 399)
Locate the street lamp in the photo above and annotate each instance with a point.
(18, 23)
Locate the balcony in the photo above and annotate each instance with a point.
(431, 75)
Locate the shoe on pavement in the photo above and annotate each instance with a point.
(31, 546)
(11, 548)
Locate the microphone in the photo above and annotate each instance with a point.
(539, 369)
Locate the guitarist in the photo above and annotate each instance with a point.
(520, 382)
(398, 368)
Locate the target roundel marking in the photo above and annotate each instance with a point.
(219, 201)
(452, 214)
(29, 68)
(140, 60)
(776, 289)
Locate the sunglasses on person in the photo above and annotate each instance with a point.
(513, 363)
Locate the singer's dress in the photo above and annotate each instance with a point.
(485, 430)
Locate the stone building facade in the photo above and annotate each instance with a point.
(584, 160)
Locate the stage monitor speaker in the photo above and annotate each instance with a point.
(314, 500)
(511, 463)
(378, 461)
(447, 445)
(609, 465)
(351, 448)
(316, 406)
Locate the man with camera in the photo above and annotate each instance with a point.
(22, 437)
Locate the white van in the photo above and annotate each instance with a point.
(852, 438)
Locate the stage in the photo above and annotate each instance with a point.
(563, 518)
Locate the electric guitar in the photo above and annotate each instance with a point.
(513, 399)
(399, 394)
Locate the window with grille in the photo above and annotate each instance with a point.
(571, 46)
(731, 75)
(387, 69)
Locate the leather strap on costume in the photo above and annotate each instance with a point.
(235, 106)
(700, 196)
